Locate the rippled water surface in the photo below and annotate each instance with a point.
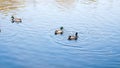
(32, 43)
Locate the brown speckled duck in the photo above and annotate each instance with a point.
(73, 37)
(59, 31)
(16, 19)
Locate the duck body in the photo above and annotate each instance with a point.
(73, 37)
(16, 19)
(59, 31)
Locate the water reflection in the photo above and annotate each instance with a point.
(8, 5)
(89, 1)
(95, 4)
(66, 4)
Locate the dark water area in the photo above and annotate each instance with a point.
(32, 43)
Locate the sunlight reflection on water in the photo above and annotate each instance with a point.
(7, 5)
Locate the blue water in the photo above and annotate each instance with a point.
(32, 43)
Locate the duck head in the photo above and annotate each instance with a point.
(12, 17)
(61, 28)
(76, 34)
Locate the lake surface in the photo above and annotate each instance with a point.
(32, 43)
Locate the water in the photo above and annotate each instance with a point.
(32, 43)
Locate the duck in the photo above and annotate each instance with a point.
(75, 37)
(59, 31)
(16, 19)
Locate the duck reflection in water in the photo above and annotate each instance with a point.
(17, 20)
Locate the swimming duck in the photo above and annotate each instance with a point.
(59, 31)
(73, 37)
(16, 19)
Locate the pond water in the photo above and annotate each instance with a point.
(32, 43)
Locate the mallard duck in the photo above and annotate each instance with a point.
(73, 37)
(16, 19)
(59, 31)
